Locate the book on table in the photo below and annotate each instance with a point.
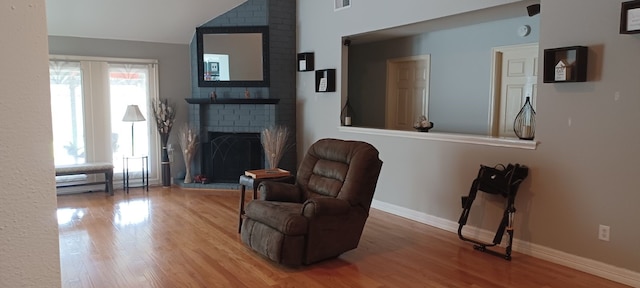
(267, 173)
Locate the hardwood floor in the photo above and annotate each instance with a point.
(172, 237)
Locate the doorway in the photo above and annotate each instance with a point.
(515, 77)
(407, 96)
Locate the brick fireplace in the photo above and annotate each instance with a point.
(269, 106)
(230, 136)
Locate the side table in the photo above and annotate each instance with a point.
(246, 181)
(144, 165)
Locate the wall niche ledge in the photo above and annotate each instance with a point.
(448, 137)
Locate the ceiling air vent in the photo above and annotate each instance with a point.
(342, 4)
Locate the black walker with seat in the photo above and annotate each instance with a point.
(499, 180)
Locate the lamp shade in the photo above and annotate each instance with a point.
(133, 114)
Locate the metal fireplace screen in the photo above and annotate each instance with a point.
(227, 155)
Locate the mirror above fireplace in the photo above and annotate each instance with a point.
(233, 56)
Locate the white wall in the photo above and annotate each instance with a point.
(580, 176)
(29, 255)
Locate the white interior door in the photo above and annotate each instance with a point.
(516, 74)
(407, 91)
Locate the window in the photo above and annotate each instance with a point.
(67, 112)
(89, 97)
(128, 85)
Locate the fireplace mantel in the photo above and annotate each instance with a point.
(208, 101)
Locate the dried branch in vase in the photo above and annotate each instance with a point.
(164, 115)
(274, 142)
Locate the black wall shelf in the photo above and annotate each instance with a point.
(231, 101)
(575, 57)
(305, 61)
(628, 26)
(326, 80)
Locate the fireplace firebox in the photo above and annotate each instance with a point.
(227, 155)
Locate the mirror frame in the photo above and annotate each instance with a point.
(264, 30)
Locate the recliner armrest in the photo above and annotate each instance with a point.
(321, 206)
(278, 191)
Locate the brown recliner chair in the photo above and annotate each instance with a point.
(323, 214)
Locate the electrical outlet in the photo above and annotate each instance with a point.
(603, 232)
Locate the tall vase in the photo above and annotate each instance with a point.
(187, 175)
(166, 168)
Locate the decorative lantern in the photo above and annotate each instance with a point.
(525, 123)
(346, 114)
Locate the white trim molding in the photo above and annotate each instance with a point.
(102, 59)
(593, 267)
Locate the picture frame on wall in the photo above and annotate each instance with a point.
(630, 17)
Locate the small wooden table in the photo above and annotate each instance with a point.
(248, 181)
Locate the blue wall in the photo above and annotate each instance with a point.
(280, 16)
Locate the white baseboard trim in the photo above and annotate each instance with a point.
(593, 267)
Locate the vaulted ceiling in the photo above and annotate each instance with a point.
(164, 21)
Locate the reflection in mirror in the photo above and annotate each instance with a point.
(459, 49)
(232, 56)
(216, 67)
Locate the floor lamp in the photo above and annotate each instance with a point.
(132, 115)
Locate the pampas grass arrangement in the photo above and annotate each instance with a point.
(164, 114)
(274, 143)
(188, 144)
